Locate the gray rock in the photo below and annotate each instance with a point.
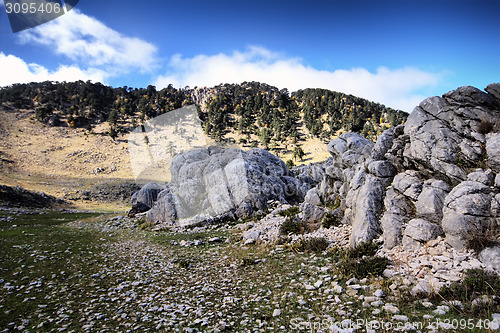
(313, 197)
(422, 230)
(467, 208)
(495, 208)
(392, 226)
(217, 182)
(485, 177)
(493, 150)
(399, 210)
(443, 132)
(384, 144)
(497, 181)
(311, 173)
(147, 195)
(430, 201)
(494, 90)
(350, 149)
(490, 257)
(383, 169)
(408, 183)
(367, 210)
(251, 234)
(311, 213)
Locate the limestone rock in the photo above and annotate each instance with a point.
(399, 210)
(490, 257)
(443, 132)
(408, 183)
(383, 169)
(421, 231)
(147, 195)
(313, 197)
(217, 182)
(481, 176)
(311, 213)
(467, 208)
(350, 149)
(365, 223)
(430, 201)
(493, 150)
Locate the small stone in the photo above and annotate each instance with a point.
(390, 309)
(427, 304)
(338, 289)
(318, 284)
(400, 318)
(379, 293)
(276, 312)
(352, 281)
(439, 312)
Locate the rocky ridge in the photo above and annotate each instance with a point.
(435, 177)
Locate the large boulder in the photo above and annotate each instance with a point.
(217, 182)
(146, 196)
(350, 149)
(467, 210)
(367, 210)
(429, 204)
(420, 231)
(493, 150)
(444, 132)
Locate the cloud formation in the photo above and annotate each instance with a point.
(397, 88)
(86, 40)
(16, 70)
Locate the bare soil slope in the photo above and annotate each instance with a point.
(90, 170)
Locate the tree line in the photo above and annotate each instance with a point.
(261, 114)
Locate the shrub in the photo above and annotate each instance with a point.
(485, 127)
(293, 226)
(331, 220)
(363, 249)
(475, 283)
(316, 245)
(290, 212)
(360, 262)
(478, 240)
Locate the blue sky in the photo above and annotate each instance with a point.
(393, 52)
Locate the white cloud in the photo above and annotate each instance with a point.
(16, 70)
(88, 41)
(397, 88)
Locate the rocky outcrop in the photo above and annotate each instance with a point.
(213, 183)
(20, 197)
(437, 174)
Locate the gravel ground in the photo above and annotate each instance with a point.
(103, 275)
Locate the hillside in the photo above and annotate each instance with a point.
(70, 139)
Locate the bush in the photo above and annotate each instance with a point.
(293, 226)
(360, 262)
(290, 212)
(363, 249)
(485, 127)
(478, 240)
(475, 283)
(316, 245)
(331, 220)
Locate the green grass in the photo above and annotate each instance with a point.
(249, 283)
(39, 249)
